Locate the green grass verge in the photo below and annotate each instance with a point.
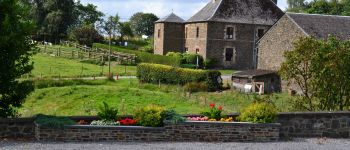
(128, 95)
(47, 66)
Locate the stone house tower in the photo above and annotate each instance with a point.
(169, 35)
(225, 31)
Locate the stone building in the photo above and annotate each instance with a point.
(290, 27)
(224, 31)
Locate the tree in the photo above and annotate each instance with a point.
(87, 35)
(296, 5)
(143, 23)
(125, 30)
(15, 52)
(321, 69)
(87, 15)
(110, 26)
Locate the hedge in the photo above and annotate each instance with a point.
(144, 57)
(155, 73)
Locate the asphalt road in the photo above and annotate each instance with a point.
(296, 144)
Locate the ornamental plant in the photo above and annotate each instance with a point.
(214, 112)
(150, 116)
(259, 112)
(128, 122)
(107, 113)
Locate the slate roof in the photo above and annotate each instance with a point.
(171, 18)
(252, 73)
(320, 26)
(264, 12)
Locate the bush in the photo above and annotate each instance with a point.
(192, 59)
(172, 116)
(196, 87)
(53, 121)
(107, 113)
(259, 112)
(154, 73)
(150, 116)
(189, 66)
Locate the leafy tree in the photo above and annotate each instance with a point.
(15, 52)
(88, 15)
(143, 23)
(296, 5)
(110, 26)
(87, 35)
(125, 30)
(321, 69)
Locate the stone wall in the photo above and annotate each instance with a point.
(173, 37)
(17, 128)
(192, 42)
(159, 41)
(323, 124)
(276, 41)
(186, 131)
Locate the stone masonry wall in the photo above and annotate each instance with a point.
(243, 44)
(17, 128)
(275, 42)
(192, 42)
(187, 131)
(173, 37)
(159, 41)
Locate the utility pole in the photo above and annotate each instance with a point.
(109, 53)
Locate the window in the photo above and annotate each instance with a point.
(229, 32)
(229, 54)
(186, 49)
(260, 33)
(186, 33)
(197, 51)
(158, 33)
(197, 33)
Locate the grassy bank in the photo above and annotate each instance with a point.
(47, 66)
(83, 98)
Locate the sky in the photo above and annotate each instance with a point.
(126, 8)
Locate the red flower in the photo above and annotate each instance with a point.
(212, 105)
(220, 108)
(128, 121)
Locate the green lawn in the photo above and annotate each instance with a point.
(129, 95)
(49, 66)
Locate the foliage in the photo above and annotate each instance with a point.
(259, 112)
(46, 83)
(87, 35)
(107, 113)
(125, 30)
(196, 87)
(16, 50)
(329, 7)
(209, 63)
(172, 116)
(87, 15)
(104, 123)
(320, 68)
(213, 113)
(150, 116)
(155, 73)
(143, 23)
(187, 60)
(53, 121)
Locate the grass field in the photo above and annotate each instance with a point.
(128, 95)
(49, 66)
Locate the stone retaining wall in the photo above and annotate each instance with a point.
(17, 128)
(185, 132)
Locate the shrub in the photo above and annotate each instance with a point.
(259, 112)
(53, 121)
(107, 113)
(209, 63)
(192, 59)
(150, 116)
(155, 73)
(214, 113)
(196, 87)
(105, 123)
(189, 66)
(172, 116)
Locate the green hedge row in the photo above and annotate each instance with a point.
(155, 73)
(144, 57)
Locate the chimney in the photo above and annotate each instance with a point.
(275, 1)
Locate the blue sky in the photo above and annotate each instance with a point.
(126, 8)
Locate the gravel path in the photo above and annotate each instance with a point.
(296, 144)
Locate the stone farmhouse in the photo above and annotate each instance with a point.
(225, 31)
(292, 26)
